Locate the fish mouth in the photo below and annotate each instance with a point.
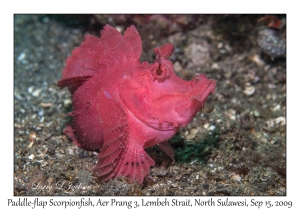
(196, 100)
(211, 88)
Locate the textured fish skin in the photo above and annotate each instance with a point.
(122, 106)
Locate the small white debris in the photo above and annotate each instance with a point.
(219, 120)
(70, 151)
(30, 145)
(212, 128)
(37, 92)
(21, 56)
(18, 96)
(276, 108)
(230, 113)
(249, 91)
(256, 113)
(257, 59)
(67, 103)
(46, 105)
(280, 120)
(119, 28)
(194, 161)
(215, 66)
(41, 112)
(192, 134)
(277, 121)
(30, 89)
(206, 126)
(31, 157)
(236, 177)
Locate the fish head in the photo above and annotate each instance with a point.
(159, 97)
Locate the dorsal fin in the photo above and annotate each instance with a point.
(112, 56)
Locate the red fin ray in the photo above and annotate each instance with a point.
(110, 153)
(134, 164)
(73, 83)
(115, 136)
(68, 131)
(134, 39)
(166, 148)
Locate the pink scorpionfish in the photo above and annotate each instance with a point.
(122, 106)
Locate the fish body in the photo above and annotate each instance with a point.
(122, 106)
